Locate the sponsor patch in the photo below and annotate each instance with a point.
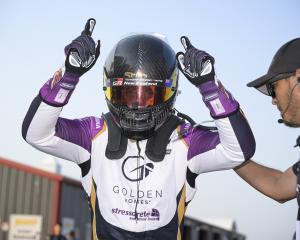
(217, 106)
(67, 86)
(98, 123)
(136, 173)
(150, 215)
(211, 96)
(168, 82)
(142, 82)
(61, 95)
(118, 82)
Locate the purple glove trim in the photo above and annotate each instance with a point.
(218, 100)
(59, 94)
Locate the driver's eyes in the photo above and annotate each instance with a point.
(148, 93)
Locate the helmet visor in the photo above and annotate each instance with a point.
(137, 93)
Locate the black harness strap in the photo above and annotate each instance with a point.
(155, 147)
(117, 142)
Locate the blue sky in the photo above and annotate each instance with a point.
(242, 36)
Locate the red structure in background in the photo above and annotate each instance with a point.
(43, 193)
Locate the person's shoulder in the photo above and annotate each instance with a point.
(190, 133)
(296, 167)
(96, 124)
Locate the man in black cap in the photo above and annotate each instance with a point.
(282, 83)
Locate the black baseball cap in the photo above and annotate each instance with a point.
(284, 64)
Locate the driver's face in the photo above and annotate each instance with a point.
(138, 97)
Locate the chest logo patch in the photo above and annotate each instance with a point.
(135, 168)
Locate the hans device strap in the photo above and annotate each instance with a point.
(117, 142)
(155, 147)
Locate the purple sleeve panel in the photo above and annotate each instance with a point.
(79, 131)
(219, 101)
(198, 140)
(186, 132)
(58, 94)
(201, 140)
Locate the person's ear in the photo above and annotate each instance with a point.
(297, 74)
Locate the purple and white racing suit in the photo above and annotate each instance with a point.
(134, 197)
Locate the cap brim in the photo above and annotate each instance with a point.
(268, 78)
(261, 81)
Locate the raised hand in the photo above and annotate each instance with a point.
(82, 53)
(195, 64)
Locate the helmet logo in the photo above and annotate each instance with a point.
(118, 82)
(138, 74)
(136, 173)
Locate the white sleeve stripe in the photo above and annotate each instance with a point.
(63, 149)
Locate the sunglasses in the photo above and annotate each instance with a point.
(271, 89)
(271, 86)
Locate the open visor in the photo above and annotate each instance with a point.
(138, 93)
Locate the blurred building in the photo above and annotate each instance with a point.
(51, 164)
(28, 190)
(33, 191)
(212, 229)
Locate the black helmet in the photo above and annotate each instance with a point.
(140, 83)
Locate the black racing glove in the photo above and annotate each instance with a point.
(82, 53)
(196, 65)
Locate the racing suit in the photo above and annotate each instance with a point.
(133, 195)
(296, 170)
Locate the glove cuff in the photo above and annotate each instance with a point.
(58, 93)
(219, 101)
